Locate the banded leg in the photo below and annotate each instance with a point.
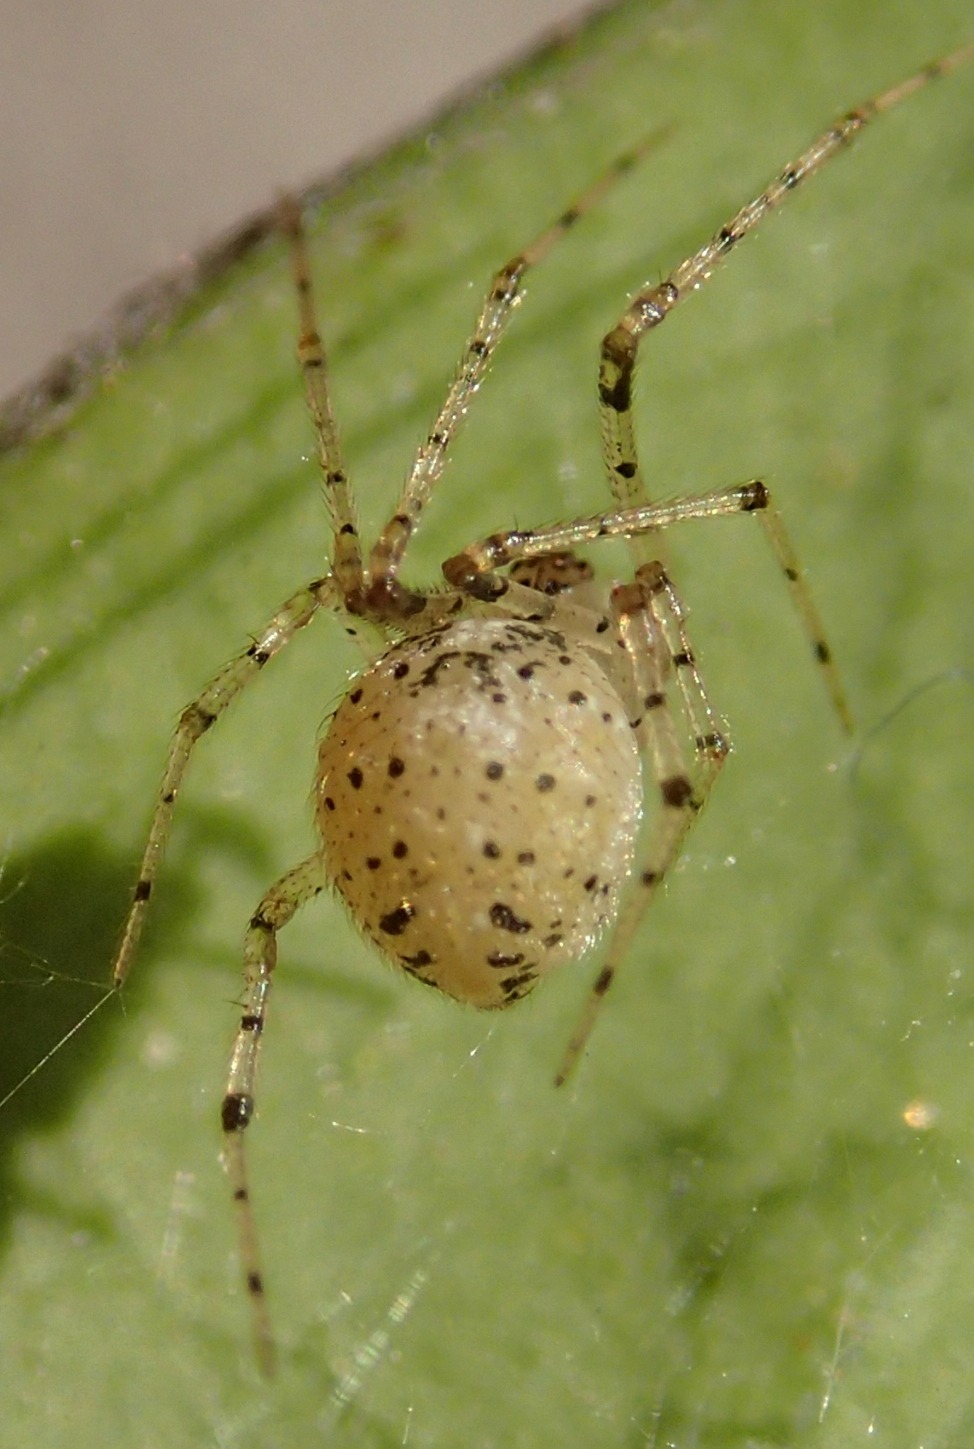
(653, 305)
(260, 957)
(475, 569)
(194, 722)
(498, 308)
(638, 610)
(708, 734)
(347, 550)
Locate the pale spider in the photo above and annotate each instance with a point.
(478, 791)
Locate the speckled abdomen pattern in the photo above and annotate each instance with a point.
(478, 805)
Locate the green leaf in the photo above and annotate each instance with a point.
(747, 1219)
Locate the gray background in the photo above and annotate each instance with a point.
(133, 131)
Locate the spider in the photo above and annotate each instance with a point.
(478, 792)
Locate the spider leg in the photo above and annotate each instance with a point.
(346, 547)
(194, 722)
(502, 298)
(640, 612)
(652, 305)
(277, 907)
(707, 730)
(475, 569)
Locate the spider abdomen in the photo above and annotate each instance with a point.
(478, 800)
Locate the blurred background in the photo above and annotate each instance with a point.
(132, 132)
